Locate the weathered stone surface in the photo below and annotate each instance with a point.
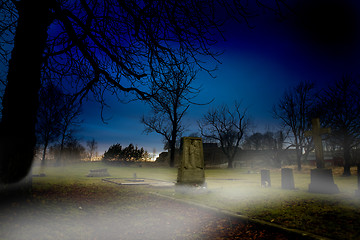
(265, 178)
(287, 179)
(322, 181)
(191, 169)
(316, 134)
(98, 173)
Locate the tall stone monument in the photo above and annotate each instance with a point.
(321, 179)
(191, 169)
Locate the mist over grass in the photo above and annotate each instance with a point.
(67, 204)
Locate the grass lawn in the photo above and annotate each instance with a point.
(335, 216)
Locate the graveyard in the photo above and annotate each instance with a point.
(256, 105)
(68, 203)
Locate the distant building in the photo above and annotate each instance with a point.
(215, 158)
(331, 158)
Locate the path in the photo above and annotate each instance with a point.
(104, 212)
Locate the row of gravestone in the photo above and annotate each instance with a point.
(321, 180)
(191, 171)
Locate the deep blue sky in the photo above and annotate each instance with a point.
(258, 65)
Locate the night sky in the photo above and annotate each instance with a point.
(319, 43)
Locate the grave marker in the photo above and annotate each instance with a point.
(316, 135)
(265, 178)
(191, 170)
(287, 179)
(321, 179)
(98, 173)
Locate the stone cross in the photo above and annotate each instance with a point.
(316, 133)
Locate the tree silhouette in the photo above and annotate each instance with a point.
(50, 114)
(71, 151)
(261, 141)
(270, 141)
(295, 110)
(341, 112)
(57, 115)
(129, 154)
(169, 103)
(226, 126)
(96, 46)
(70, 120)
(20, 99)
(92, 146)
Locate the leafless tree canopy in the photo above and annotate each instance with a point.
(96, 46)
(117, 45)
(171, 98)
(295, 110)
(341, 112)
(226, 125)
(92, 146)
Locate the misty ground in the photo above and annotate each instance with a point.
(68, 205)
(99, 212)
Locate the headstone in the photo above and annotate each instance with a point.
(98, 173)
(287, 179)
(321, 179)
(265, 178)
(191, 170)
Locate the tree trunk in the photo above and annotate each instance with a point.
(173, 145)
(230, 163)
(44, 155)
(298, 158)
(20, 100)
(230, 157)
(347, 162)
(59, 158)
(172, 153)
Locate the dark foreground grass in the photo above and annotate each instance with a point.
(335, 216)
(67, 205)
(97, 210)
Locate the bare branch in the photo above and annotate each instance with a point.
(227, 126)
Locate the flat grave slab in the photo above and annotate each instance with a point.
(139, 181)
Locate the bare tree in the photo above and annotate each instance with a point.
(226, 126)
(254, 141)
(261, 141)
(49, 117)
(341, 112)
(92, 146)
(295, 110)
(271, 142)
(22, 87)
(8, 19)
(72, 151)
(96, 46)
(69, 121)
(173, 96)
